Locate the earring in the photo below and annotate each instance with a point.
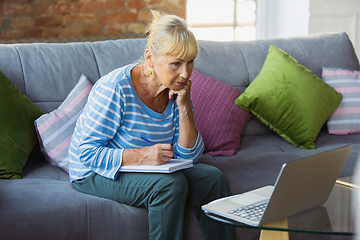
(150, 72)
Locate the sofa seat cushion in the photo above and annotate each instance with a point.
(39, 168)
(43, 207)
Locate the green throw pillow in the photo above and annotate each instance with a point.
(17, 130)
(290, 99)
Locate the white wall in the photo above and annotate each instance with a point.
(282, 18)
(336, 16)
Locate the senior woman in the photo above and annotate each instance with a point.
(148, 100)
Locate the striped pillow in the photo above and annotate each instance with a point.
(346, 118)
(55, 129)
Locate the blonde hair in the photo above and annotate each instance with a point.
(169, 35)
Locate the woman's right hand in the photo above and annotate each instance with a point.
(153, 155)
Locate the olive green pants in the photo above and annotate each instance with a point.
(165, 195)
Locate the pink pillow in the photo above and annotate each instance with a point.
(219, 120)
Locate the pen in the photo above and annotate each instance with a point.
(153, 143)
(147, 140)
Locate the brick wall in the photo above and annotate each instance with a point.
(23, 19)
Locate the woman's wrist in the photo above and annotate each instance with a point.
(187, 129)
(186, 113)
(131, 157)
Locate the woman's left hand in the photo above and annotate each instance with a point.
(183, 96)
(187, 129)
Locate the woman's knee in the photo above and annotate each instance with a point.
(217, 175)
(211, 173)
(173, 185)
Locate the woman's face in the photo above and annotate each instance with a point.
(172, 72)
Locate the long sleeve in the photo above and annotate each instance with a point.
(191, 153)
(96, 129)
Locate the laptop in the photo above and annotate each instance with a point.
(301, 185)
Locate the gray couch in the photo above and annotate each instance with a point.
(45, 205)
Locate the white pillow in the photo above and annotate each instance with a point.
(56, 128)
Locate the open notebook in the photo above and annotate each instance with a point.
(171, 166)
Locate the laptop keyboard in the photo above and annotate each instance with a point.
(252, 212)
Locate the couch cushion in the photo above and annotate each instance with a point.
(237, 63)
(56, 128)
(219, 120)
(46, 72)
(17, 132)
(290, 99)
(346, 118)
(113, 54)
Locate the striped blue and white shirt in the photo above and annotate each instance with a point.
(115, 119)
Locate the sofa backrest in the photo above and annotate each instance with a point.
(238, 63)
(46, 72)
